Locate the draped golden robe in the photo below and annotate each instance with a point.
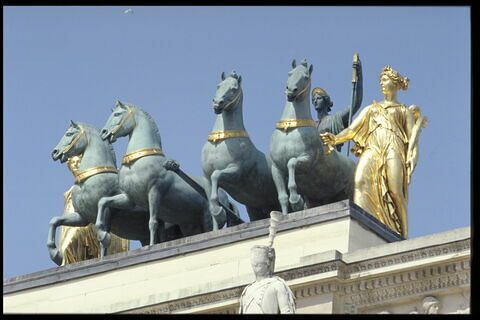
(80, 243)
(381, 136)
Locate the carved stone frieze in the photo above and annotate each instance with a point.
(404, 257)
(191, 302)
(357, 293)
(412, 283)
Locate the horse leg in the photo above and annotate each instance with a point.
(279, 182)
(71, 220)
(225, 202)
(155, 224)
(232, 173)
(102, 224)
(212, 206)
(295, 199)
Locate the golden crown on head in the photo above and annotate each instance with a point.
(397, 78)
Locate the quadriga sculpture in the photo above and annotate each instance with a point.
(230, 159)
(96, 179)
(299, 160)
(147, 183)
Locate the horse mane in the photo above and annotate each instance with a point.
(88, 131)
(150, 119)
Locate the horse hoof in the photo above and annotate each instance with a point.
(51, 245)
(297, 204)
(218, 212)
(104, 238)
(56, 256)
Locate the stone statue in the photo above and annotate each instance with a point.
(95, 180)
(300, 164)
(147, 183)
(80, 243)
(430, 305)
(268, 294)
(230, 159)
(334, 123)
(386, 136)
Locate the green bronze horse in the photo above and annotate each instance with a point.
(300, 164)
(230, 159)
(147, 183)
(96, 180)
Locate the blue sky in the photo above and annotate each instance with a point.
(63, 63)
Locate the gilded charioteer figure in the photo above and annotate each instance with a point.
(386, 136)
(80, 243)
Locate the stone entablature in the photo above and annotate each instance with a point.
(398, 281)
(368, 271)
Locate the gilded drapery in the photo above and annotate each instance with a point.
(381, 138)
(80, 243)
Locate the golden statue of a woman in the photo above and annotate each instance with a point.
(386, 136)
(80, 243)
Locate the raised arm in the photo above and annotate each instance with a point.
(357, 93)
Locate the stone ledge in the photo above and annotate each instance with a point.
(326, 213)
(328, 272)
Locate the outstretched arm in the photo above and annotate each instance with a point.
(346, 134)
(357, 95)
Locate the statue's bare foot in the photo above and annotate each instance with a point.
(296, 202)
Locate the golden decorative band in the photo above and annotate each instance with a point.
(84, 175)
(304, 89)
(234, 100)
(129, 114)
(226, 134)
(135, 155)
(294, 123)
(82, 132)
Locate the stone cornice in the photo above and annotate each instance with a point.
(377, 291)
(207, 240)
(362, 283)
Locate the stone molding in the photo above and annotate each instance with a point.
(377, 291)
(348, 280)
(250, 230)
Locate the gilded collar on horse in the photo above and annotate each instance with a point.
(135, 155)
(218, 136)
(294, 123)
(84, 175)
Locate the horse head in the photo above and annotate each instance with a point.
(228, 92)
(120, 123)
(74, 142)
(298, 81)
